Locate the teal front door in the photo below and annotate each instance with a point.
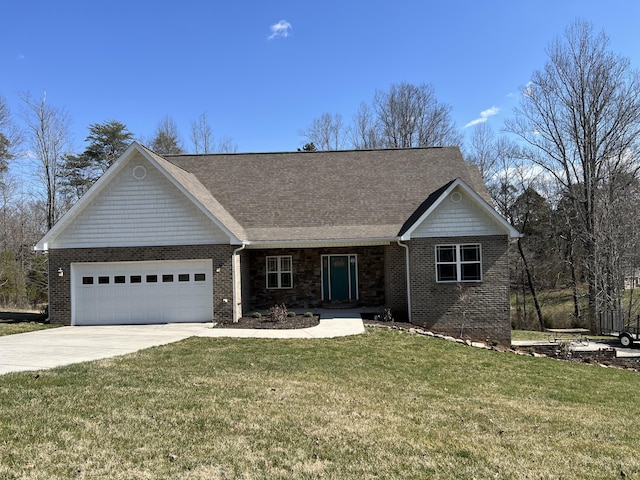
(339, 277)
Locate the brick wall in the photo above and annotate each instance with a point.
(60, 287)
(395, 281)
(477, 311)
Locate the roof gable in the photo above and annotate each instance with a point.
(136, 202)
(456, 210)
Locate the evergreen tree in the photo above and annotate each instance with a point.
(107, 141)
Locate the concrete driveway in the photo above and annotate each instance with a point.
(54, 347)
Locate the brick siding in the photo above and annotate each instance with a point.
(475, 311)
(60, 287)
(395, 281)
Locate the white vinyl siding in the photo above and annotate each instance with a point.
(133, 212)
(456, 219)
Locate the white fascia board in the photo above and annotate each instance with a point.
(481, 202)
(96, 188)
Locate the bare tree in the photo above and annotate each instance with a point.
(203, 139)
(48, 136)
(363, 132)
(327, 132)
(581, 118)
(411, 116)
(202, 135)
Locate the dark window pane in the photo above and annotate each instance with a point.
(87, 280)
(119, 279)
(167, 278)
(152, 278)
(135, 279)
(272, 280)
(199, 277)
(285, 280)
(183, 277)
(447, 273)
(470, 253)
(470, 271)
(446, 254)
(103, 280)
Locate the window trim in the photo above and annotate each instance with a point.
(458, 262)
(279, 271)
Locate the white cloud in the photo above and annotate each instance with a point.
(280, 29)
(484, 116)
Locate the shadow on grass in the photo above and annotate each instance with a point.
(22, 317)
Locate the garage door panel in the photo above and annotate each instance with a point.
(142, 292)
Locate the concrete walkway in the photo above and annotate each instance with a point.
(54, 347)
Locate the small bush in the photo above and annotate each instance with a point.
(385, 316)
(278, 313)
(308, 314)
(256, 314)
(291, 314)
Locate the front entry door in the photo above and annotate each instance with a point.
(339, 277)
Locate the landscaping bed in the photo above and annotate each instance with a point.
(264, 322)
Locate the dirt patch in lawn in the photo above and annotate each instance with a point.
(263, 322)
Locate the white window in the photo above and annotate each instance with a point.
(458, 263)
(279, 272)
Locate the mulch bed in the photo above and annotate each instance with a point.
(299, 321)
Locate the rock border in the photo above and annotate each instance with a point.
(605, 358)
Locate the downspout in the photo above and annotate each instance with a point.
(234, 256)
(406, 256)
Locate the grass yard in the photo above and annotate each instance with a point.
(382, 405)
(22, 322)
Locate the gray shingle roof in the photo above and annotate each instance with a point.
(305, 196)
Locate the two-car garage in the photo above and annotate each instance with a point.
(165, 291)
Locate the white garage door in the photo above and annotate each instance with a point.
(141, 292)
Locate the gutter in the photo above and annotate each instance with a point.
(406, 256)
(235, 297)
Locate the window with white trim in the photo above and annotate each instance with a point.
(279, 272)
(459, 263)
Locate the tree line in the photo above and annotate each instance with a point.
(563, 170)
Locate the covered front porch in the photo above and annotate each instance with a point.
(316, 277)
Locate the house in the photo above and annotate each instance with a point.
(190, 238)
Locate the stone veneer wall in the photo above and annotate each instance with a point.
(60, 287)
(442, 307)
(307, 289)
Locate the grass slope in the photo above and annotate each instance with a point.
(381, 405)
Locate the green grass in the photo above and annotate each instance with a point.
(382, 405)
(22, 322)
(543, 336)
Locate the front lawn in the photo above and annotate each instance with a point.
(382, 405)
(22, 322)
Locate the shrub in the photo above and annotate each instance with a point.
(385, 316)
(278, 313)
(291, 314)
(256, 314)
(308, 314)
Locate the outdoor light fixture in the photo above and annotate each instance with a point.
(60, 272)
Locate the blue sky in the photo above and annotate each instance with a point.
(137, 61)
